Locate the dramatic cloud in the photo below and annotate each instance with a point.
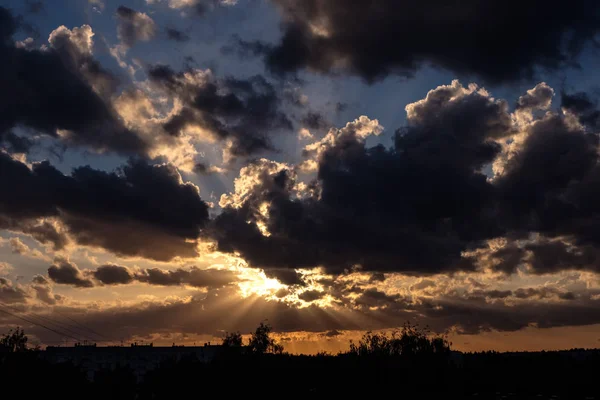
(581, 105)
(76, 50)
(427, 205)
(373, 40)
(67, 273)
(113, 275)
(285, 276)
(141, 210)
(69, 106)
(134, 26)
(310, 295)
(44, 232)
(242, 112)
(224, 309)
(15, 143)
(413, 208)
(201, 278)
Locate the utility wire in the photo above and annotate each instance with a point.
(56, 324)
(38, 324)
(84, 327)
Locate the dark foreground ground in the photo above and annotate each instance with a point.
(552, 375)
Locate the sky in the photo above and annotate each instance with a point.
(171, 170)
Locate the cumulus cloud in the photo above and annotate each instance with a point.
(286, 276)
(18, 247)
(134, 26)
(44, 231)
(140, 210)
(112, 274)
(583, 107)
(390, 37)
(195, 277)
(413, 208)
(65, 272)
(426, 205)
(311, 295)
(70, 107)
(240, 112)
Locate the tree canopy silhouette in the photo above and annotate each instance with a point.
(261, 342)
(232, 340)
(14, 341)
(410, 341)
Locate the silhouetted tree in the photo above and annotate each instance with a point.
(14, 341)
(233, 339)
(261, 342)
(410, 341)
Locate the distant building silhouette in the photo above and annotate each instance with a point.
(139, 357)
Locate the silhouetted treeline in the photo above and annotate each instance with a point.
(407, 365)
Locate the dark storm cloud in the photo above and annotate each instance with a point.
(244, 111)
(551, 187)
(376, 298)
(584, 107)
(141, 210)
(177, 35)
(15, 143)
(67, 273)
(332, 333)
(375, 39)
(377, 277)
(555, 256)
(422, 206)
(44, 231)
(201, 278)
(66, 102)
(311, 295)
(111, 274)
(542, 293)
(134, 26)
(493, 294)
(413, 208)
(314, 120)
(285, 276)
(554, 155)
(75, 49)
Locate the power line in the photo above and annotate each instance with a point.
(38, 324)
(56, 324)
(83, 326)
